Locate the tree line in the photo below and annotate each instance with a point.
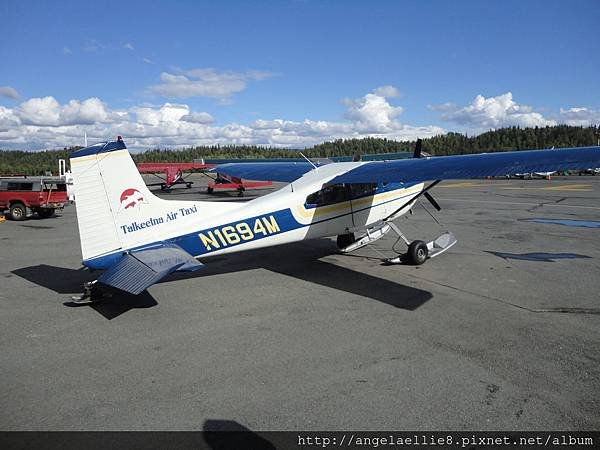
(503, 139)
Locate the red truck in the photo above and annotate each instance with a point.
(25, 196)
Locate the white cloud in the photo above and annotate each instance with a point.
(168, 112)
(9, 92)
(147, 60)
(89, 111)
(205, 83)
(128, 46)
(48, 112)
(494, 112)
(66, 51)
(40, 111)
(580, 116)
(8, 120)
(373, 113)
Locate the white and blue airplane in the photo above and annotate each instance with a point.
(138, 238)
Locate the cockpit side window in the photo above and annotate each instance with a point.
(329, 195)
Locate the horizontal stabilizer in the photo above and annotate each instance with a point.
(140, 269)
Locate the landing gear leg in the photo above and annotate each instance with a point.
(419, 251)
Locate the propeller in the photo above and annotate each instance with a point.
(435, 204)
(417, 154)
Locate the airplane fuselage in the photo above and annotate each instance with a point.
(308, 208)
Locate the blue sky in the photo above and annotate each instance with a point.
(291, 73)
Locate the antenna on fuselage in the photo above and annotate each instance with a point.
(311, 163)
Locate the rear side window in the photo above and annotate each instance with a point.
(12, 186)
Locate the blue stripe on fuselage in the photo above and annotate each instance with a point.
(193, 243)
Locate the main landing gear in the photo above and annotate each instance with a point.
(418, 251)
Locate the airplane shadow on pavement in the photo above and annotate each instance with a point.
(70, 281)
(302, 261)
(298, 260)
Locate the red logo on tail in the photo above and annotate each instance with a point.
(131, 198)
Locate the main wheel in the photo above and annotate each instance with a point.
(417, 252)
(18, 211)
(209, 190)
(344, 240)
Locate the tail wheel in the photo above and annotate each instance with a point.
(417, 252)
(18, 211)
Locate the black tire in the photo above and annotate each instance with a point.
(18, 212)
(46, 213)
(209, 190)
(417, 252)
(344, 240)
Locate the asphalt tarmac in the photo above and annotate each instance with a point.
(501, 332)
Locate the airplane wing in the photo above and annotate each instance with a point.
(471, 166)
(140, 269)
(268, 171)
(430, 168)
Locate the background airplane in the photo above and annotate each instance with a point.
(172, 173)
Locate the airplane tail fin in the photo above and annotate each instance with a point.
(116, 210)
(106, 181)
